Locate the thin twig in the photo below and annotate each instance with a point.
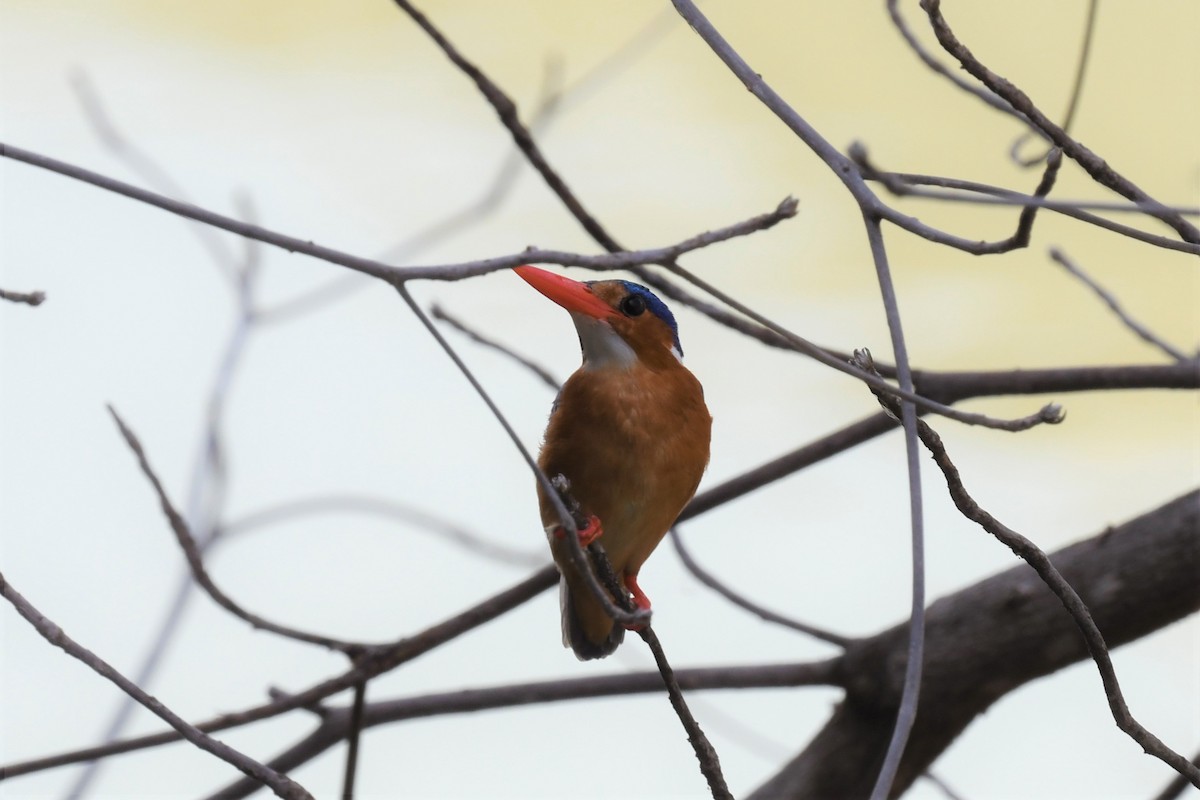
(905, 183)
(938, 67)
(352, 740)
(1048, 414)
(52, 633)
(1114, 305)
(1020, 237)
(145, 167)
(1085, 51)
(196, 561)
(365, 504)
(1177, 785)
(714, 583)
(490, 199)
(914, 664)
(840, 166)
(1095, 166)
(437, 312)
(574, 551)
(28, 298)
(710, 763)
(398, 275)
(333, 727)
(706, 754)
(942, 786)
(506, 109)
(1049, 574)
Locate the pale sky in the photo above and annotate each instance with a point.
(342, 123)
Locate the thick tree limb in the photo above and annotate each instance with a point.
(1135, 579)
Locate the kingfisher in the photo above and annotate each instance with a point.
(629, 431)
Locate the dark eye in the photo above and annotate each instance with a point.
(633, 305)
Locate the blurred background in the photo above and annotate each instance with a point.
(342, 123)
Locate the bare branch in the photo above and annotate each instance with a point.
(941, 69)
(1036, 558)
(398, 275)
(28, 298)
(1085, 51)
(335, 724)
(389, 509)
(376, 662)
(437, 312)
(712, 582)
(196, 562)
(904, 183)
(145, 167)
(1095, 166)
(280, 784)
(1114, 305)
(914, 663)
(1051, 414)
(1136, 577)
(710, 765)
(352, 739)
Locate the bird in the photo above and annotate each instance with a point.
(630, 432)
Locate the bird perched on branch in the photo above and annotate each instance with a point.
(630, 432)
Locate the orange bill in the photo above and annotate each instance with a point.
(572, 295)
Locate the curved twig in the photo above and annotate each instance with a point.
(1049, 574)
(1114, 305)
(196, 561)
(1093, 164)
(282, 785)
(714, 583)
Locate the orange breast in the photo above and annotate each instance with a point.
(634, 444)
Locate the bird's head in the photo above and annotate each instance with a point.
(620, 323)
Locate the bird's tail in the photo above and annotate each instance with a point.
(586, 627)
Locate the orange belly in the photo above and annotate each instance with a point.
(634, 447)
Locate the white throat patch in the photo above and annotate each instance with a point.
(602, 346)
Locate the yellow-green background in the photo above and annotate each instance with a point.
(345, 125)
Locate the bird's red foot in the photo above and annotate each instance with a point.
(639, 600)
(587, 534)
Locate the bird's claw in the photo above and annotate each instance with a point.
(640, 600)
(587, 534)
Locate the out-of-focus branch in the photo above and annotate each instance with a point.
(1093, 164)
(766, 614)
(1019, 238)
(938, 67)
(28, 298)
(1085, 51)
(908, 183)
(389, 509)
(280, 784)
(146, 168)
(335, 722)
(399, 275)
(437, 312)
(1135, 578)
(706, 754)
(950, 387)
(377, 661)
(1067, 595)
(1144, 333)
(196, 560)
